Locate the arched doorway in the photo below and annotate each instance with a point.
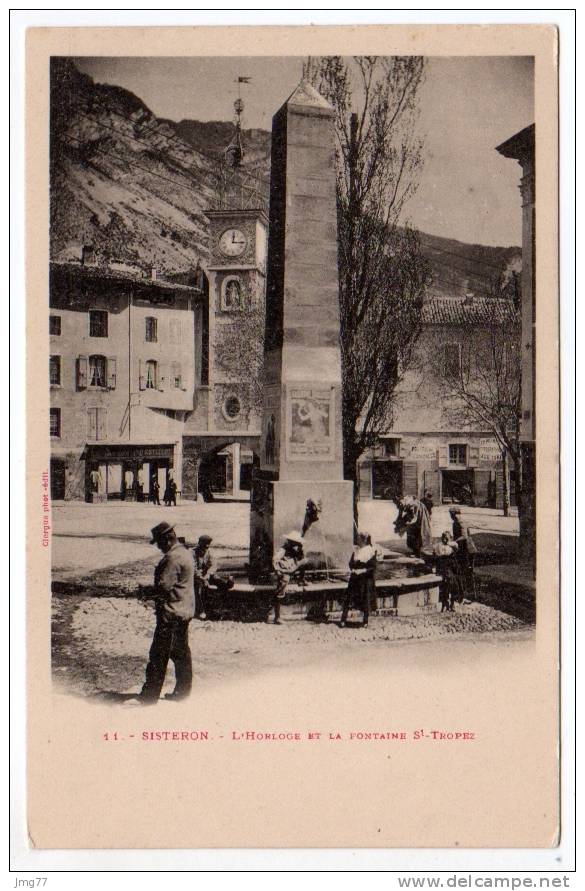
(226, 471)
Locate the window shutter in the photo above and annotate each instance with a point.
(81, 372)
(365, 479)
(432, 484)
(161, 371)
(141, 381)
(101, 423)
(481, 488)
(443, 455)
(112, 372)
(91, 423)
(402, 450)
(472, 455)
(410, 478)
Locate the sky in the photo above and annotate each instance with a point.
(468, 105)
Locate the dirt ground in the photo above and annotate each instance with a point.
(100, 645)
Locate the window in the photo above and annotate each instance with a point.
(391, 448)
(176, 380)
(55, 371)
(98, 323)
(458, 454)
(151, 375)
(111, 373)
(55, 326)
(55, 421)
(232, 294)
(151, 329)
(452, 359)
(232, 408)
(97, 423)
(175, 331)
(97, 371)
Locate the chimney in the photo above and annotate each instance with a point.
(87, 255)
(153, 274)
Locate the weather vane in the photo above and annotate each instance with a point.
(234, 153)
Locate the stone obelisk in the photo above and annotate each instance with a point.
(301, 455)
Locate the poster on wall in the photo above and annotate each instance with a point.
(311, 419)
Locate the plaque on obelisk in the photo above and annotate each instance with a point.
(301, 458)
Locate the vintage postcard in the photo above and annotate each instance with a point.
(293, 575)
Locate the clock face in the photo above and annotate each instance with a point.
(233, 242)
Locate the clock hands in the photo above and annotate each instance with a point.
(237, 242)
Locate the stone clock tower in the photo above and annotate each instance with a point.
(237, 274)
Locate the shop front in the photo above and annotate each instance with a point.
(128, 472)
(454, 469)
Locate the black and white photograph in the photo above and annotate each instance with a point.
(332, 235)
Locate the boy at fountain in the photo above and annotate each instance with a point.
(445, 552)
(361, 586)
(205, 574)
(287, 560)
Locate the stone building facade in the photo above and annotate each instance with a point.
(139, 392)
(137, 388)
(122, 377)
(423, 451)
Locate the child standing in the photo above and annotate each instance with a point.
(361, 586)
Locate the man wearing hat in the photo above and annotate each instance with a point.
(287, 560)
(173, 582)
(205, 567)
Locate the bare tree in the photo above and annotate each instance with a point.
(382, 273)
(484, 387)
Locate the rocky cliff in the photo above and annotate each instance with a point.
(136, 186)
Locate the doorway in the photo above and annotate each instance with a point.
(57, 480)
(387, 480)
(457, 486)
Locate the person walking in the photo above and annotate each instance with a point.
(361, 587)
(466, 552)
(287, 560)
(175, 604)
(155, 492)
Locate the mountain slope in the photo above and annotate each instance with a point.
(121, 179)
(211, 137)
(136, 187)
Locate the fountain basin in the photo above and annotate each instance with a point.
(318, 600)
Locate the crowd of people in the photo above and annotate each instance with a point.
(184, 576)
